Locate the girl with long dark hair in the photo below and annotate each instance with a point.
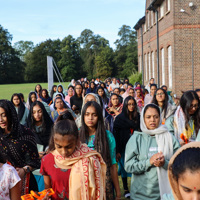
(124, 125)
(167, 110)
(40, 124)
(76, 101)
(101, 92)
(187, 117)
(22, 111)
(18, 146)
(93, 132)
(147, 155)
(72, 169)
(53, 90)
(38, 90)
(45, 97)
(32, 97)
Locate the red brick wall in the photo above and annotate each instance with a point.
(178, 30)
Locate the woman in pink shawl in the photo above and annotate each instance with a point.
(70, 94)
(139, 97)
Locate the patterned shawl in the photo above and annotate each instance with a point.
(88, 173)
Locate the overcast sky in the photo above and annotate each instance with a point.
(39, 20)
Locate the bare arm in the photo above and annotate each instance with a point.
(114, 176)
(15, 192)
(47, 182)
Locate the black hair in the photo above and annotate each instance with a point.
(21, 108)
(122, 89)
(63, 127)
(117, 89)
(71, 87)
(126, 80)
(153, 85)
(2, 158)
(76, 86)
(21, 96)
(52, 91)
(185, 103)
(188, 159)
(47, 94)
(145, 90)
(101, 141)
(29, 97)
(130, 85)
(165, 103)
(125, 110)
(151, 105)
(104, 98)
(46, 120)
(197, 90)
(40, 91)
(92, 89)
(8, 112)
(163, 86)
(65, 115)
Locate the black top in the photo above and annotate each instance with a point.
(77, 101)
(123, 129)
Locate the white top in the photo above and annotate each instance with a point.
(9, 178)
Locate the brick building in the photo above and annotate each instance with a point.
(179, 31)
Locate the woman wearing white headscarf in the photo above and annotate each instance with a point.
(147, 155)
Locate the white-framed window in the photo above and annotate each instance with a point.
(168, 5)
(148, 19)
(152, 18)
(163, 65)
(153, 65)
(149, 55)
(170, 66)
(145, 27)
(146, 77)
(162, 10)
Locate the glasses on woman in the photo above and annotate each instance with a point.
(160, 94)
(194, 106)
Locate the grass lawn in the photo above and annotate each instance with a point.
(6, 91)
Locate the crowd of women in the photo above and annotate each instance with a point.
(78, 142)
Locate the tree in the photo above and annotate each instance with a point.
(70, 61)
(36, 61)
(23, 47)
(103, 63)
(11, 67)
(126, 53)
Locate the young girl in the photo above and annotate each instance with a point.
(114, 107)
(184, 173)
(22, 111)
(77, 100)
(38, 90)
(64, 168)
(45, 97)
(148, 97)
(94, 134)
(139, 98)
(9, 181)
(125, 124)
(167, 110)
(102, 94)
